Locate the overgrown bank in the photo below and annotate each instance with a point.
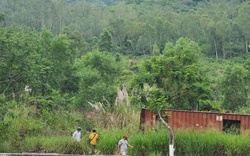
(149, 143)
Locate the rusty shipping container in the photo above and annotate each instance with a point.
(147, 119)
(180, 119)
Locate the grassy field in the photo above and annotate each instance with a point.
(149, 143)
(22, 132)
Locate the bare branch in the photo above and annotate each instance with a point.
(6, 88)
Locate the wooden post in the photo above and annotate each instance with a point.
(171, 135)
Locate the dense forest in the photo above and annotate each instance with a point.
(66, 56)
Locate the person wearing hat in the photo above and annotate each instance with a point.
(77, 134)
(93, 138)
(123, 145)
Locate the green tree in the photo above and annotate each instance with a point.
(45, 70)
(142, 48)
(97, 73)
(62, 57)
(105, 43)
(78, 42)
(18, 60)
(56, 63)
(235, 88)
(156, 50)
(243, 21)
(2, 19)
(174, 79)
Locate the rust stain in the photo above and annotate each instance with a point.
(179, 119)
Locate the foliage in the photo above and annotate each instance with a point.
(97, 72)
(18, 55)
(31, 138)
(178, 54)
(41, 53)
(20, 122)
(208, 142)
(105, 43)
(63, 145)
(174, 78)
(114, 116)
(109, 139)
(135, 25)
(235, 87)
(156, 50)
(150, 141)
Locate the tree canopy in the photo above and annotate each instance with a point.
(174, 78)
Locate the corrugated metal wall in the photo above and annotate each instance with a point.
(147, 120)
(201, 120)
(194, 119)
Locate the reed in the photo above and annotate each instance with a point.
(62, 145)
(24, 133)
(148, 143)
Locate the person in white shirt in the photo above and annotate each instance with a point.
(123, 145)
(77, 134)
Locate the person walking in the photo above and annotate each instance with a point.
(77, 134)
(123, 145)
(93, 138)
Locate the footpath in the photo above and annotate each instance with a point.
(44, 154)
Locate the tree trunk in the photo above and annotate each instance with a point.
(216, 52)
(224, 52)
(246, 47)
(171, 135)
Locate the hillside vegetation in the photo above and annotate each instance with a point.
(96, 63)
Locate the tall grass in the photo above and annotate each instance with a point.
(22, 132)
(63, 145)
(211, 143)
(148, 143)
(187, 143)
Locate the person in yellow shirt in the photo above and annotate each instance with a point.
(93, 138)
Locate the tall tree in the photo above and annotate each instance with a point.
(57, 58)
(18, 60)
(78, 41)
(174, 77)
(243, 21)
(2, 19)
(235, 88)
(156, 50)
(62, 57)
(105, 42)
(97, 73)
